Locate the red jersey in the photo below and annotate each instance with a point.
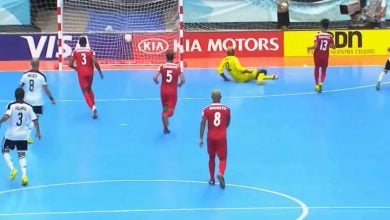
(84, 62)
(169, 77)
(218, 118)
(323, 41)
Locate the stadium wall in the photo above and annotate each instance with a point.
(200, 44)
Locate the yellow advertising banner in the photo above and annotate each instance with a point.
(348, 42)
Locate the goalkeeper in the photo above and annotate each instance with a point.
(239, 73)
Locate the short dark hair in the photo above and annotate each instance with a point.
(325, 23)
(83, 41)
(19, 94)
(170, 55)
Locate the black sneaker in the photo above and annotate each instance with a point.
(166, 131)
(221, 181)
(212, 181)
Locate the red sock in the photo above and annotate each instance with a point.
(164, 120)
(89, 99)
(92, 95)
(222, 166)
(212, 166)
(323, 74)
(316, 74)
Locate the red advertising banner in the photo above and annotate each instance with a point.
(151, 47)
(246, 44)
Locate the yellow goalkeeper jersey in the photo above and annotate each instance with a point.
(233, 66)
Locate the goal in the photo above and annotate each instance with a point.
(123, 31)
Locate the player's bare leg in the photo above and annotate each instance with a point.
(212, 169)
(8, 161)
(381, 76)
(23, 166)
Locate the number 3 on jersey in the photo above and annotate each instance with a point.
(169, 76)
(83, 58)
(217, 119)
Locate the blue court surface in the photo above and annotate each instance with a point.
(293, 153)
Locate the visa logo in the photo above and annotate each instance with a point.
(48, 43)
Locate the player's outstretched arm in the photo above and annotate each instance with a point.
(220, 70)
(224, 76)
(201, 132)
(37, 129)
(48, 93)
(96, 63)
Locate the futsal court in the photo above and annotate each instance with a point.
(292, 153)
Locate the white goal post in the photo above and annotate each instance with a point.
(122, 31)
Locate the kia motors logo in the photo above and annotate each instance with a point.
(153, 46)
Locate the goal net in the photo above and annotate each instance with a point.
(124, 31)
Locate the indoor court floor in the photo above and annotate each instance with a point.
(292, 153)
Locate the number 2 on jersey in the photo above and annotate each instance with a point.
(169, 76)
(217, 119)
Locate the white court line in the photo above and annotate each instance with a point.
(152, 67)
(226, 97)
(302, 206)
(265, 208)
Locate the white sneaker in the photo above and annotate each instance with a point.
(94, 113)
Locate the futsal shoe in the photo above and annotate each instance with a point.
(378, 86)
(166, 131)
(212, 182)
(13, 174)
(30, 140)
(276, 76)
(24, 180)
(320, 88)
(317, 88)
(221, 181)
(94, 113)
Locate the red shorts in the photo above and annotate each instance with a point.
(217, 147)
(85, 81)
(169, 100)
(321, 61)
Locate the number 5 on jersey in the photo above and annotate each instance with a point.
(169, 76)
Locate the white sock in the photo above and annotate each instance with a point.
(23, 165)
(8, 160)
(383, 73)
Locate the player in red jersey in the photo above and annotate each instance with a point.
(85, 62)
(217, 117)
(322, 42)
(170, 74)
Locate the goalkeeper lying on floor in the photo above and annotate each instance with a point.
(239, 73)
